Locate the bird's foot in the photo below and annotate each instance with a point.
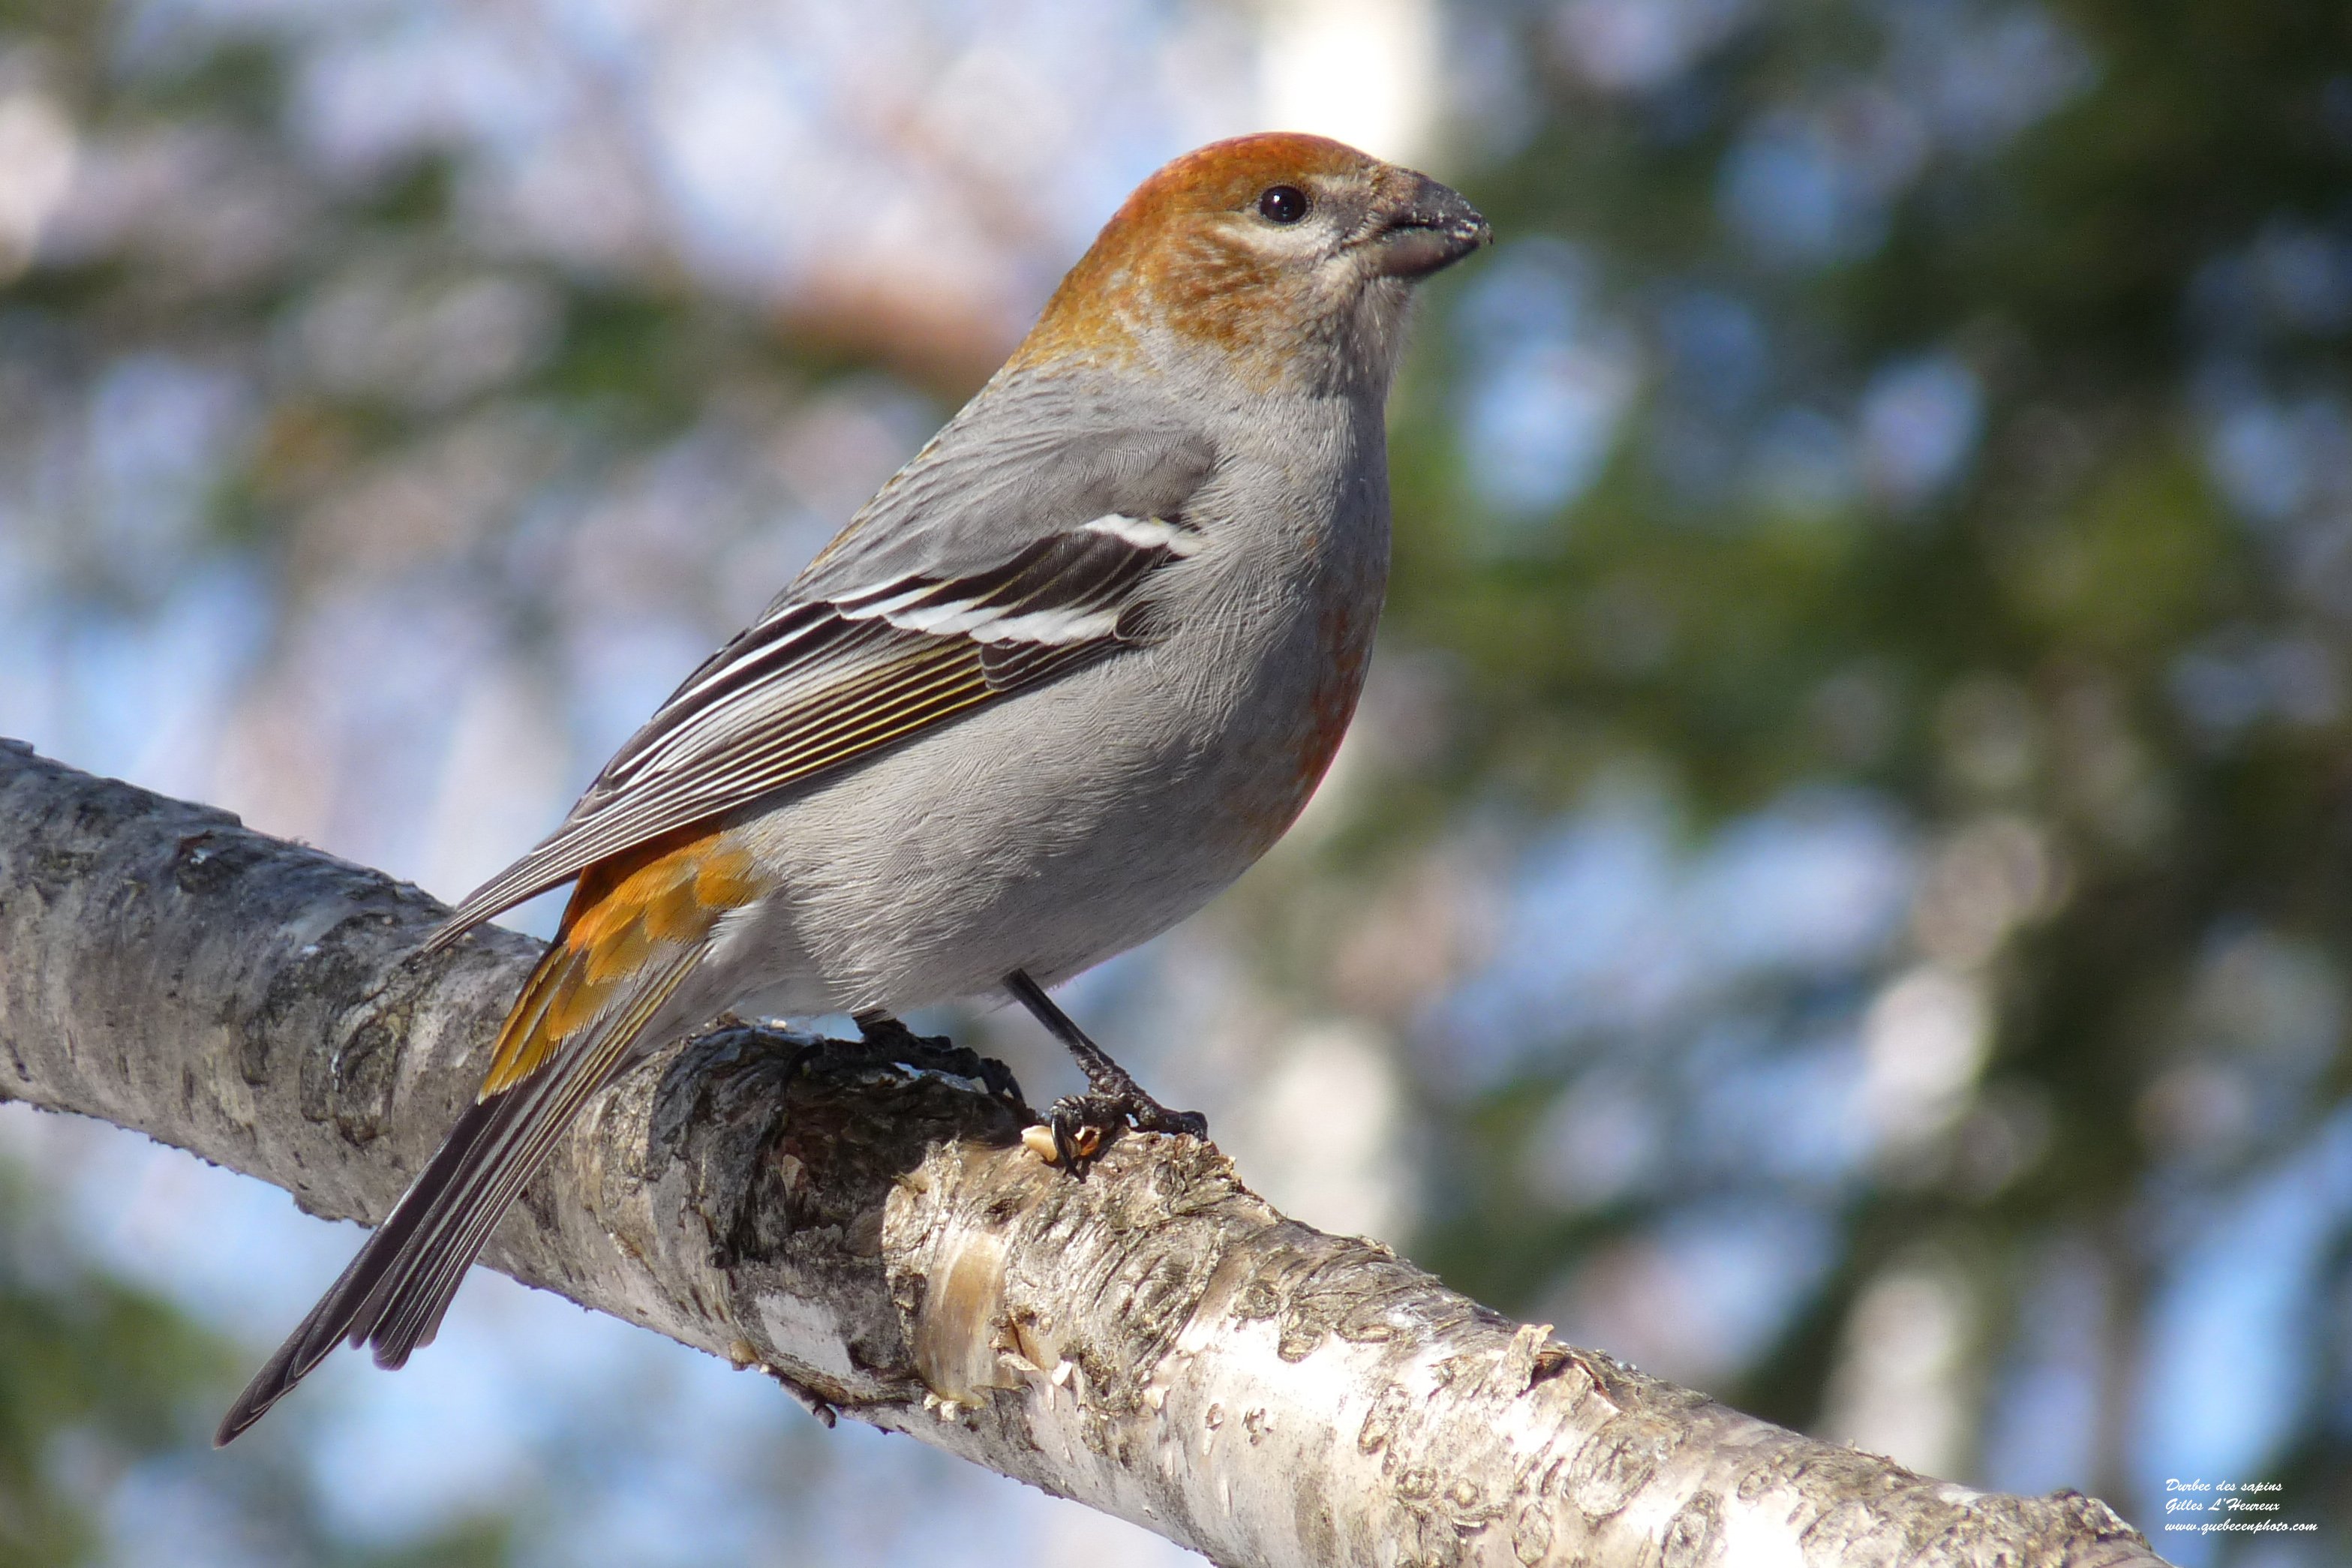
(1084, 1125)
(888, 1039)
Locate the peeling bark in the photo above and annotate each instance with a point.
(1152, 1340)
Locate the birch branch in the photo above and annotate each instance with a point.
(1152, 1340)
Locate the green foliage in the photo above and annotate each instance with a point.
(94, 1375)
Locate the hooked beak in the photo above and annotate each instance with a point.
(1426, 226)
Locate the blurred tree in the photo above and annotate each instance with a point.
(1940, 408)
(92, 1377)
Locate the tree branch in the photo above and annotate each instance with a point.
(1152, 1339)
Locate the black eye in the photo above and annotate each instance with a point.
(1281, 204)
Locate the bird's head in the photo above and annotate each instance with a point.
(1287, 258)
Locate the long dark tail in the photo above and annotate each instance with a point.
(395, 1292)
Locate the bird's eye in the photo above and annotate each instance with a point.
(1281, 204)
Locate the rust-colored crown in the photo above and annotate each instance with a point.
(1160, 258)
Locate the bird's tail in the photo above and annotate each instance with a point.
(629, 941)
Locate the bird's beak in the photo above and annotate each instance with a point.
(1425, 226)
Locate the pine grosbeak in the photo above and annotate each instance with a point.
(1073, 668)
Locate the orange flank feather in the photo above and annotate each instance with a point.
(629, 916)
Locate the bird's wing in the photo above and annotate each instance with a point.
(1025, 460)
(886, 637)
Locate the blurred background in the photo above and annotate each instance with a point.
(1840, 893)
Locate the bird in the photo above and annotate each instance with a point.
(1069, 672)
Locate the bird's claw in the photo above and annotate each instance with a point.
(1084, 1125)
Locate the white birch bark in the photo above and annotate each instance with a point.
(1152, 1340)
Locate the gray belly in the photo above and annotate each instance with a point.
(1044, 834)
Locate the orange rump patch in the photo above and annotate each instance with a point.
(627, 917)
